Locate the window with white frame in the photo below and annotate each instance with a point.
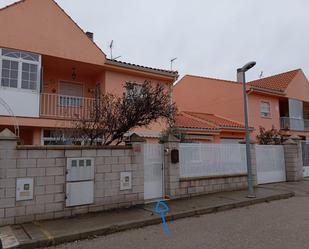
(19, 69)
(265, 109)
(70, 94)
(133, 89)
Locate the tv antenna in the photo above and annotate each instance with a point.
(172, 61)
(111, 46)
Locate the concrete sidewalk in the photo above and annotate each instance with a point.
(45, 233)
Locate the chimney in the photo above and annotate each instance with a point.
(90, 35)
(240, 78)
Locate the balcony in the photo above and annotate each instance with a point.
(295, 124)
(65, 107)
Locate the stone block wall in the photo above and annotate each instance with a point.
(178, 187)
(47, 167)
(194, 186)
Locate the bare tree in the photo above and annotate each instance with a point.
(111, 117)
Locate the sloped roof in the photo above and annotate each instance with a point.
(196, 120)
(278, 82)
(15, 3)
(189, 122)
(169, 73)
(210, 78)
(218, 121)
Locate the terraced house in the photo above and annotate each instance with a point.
(280, 100)
(49, 68)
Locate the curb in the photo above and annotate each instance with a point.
(147, 222)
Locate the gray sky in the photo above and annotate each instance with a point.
(209, 37)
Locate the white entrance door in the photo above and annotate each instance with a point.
(270, 164)
(153, 171)
(305, 153)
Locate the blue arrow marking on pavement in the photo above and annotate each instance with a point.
(162, 208)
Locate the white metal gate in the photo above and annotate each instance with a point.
(270, 163)
(305, 154)
(153, 171)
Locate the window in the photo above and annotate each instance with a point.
(29, 76)
(9, 73)
(58, 137)
(133, 89)
(265, 109)
(19, 69)
(71, 94)
(64, 137)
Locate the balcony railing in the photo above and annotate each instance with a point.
(65, 107)
(295, 124)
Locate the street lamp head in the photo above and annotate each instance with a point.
(246, 67)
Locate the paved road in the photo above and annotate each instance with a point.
(280, 224)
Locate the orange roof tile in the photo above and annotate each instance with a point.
(187, 122)
(277, 82)
(216, 120)
(205, 121)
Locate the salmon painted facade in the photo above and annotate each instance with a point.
(280, 100)
(49, 68)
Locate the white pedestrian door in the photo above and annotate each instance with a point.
(305, 153)
(153, 171)
(270, 164)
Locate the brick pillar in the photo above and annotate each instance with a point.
(171, 170)
(8, 171)
(293, 160)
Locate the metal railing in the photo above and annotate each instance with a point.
(65, 107)
(295, 124)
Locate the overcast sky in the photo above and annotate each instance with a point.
(209, 37)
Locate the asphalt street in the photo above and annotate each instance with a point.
(280, 224)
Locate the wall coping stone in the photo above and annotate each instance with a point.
(6, 134)
(73, 147)
(289, 141)
(135, 138)
(294, 137)
(196, 178)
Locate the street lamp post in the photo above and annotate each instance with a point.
(243, 70)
